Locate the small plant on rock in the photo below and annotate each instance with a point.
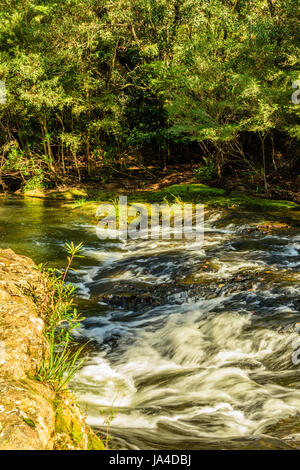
(64, 358)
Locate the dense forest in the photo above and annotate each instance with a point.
(94, 87)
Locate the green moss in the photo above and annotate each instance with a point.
(70, 428)
(95, 443)
(69, 194)
(191, 190)
(195, 193)
(216, 197)
(90, 206)
(243, 200)
(86, 201)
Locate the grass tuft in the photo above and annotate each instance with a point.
(64, 358)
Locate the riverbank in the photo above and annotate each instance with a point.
(85, 200)
(194, 192)
(34, 416)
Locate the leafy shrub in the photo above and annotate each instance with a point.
(207, 171)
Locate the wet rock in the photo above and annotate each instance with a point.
(287, 429)
(200, 285)
(133, 297)
(245, 230)
(261, 228)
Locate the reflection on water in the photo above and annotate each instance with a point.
(191, 345)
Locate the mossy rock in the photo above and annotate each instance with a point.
(38, 192)
(192, 193)
(71, 430)
(89, 206)
(95, 443)
(69, 194)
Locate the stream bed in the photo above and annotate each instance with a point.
(190, 345)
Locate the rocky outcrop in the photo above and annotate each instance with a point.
(32, 414)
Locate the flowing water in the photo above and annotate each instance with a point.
(190, 346)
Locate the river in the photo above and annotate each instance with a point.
(190, 345)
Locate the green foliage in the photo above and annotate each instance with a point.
(62, 364)
(65, 357)
(80, 201)
(29, 422)
(90, 85)
(207, 171)
(35, 182)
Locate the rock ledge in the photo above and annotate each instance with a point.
(32, 415)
